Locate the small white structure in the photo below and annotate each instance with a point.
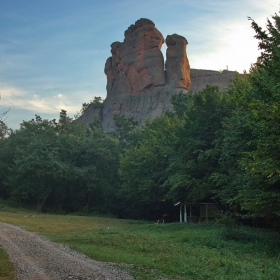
(205, 211)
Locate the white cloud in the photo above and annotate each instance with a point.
(25, 104)
(8, 92)
(16, 98)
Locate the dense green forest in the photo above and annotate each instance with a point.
(215, 145)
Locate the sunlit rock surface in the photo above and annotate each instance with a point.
(139, 84)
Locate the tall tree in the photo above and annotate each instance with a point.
(143, 166)
(36, 165)
(261, 196)
(93, 157)
(195, 158)
(66, 165)
(124, 128)
(250, 148)
(175, 156)
(233, 140)
(4, 157)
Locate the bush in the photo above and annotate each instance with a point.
(266, 241)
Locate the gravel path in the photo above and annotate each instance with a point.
(37, 258)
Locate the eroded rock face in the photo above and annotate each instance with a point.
(140, 106)
(137, 84)
(200, 78)
(177, 64)
(136, 65)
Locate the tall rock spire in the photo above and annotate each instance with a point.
(136, 65)
(137, 84)
(177, 64)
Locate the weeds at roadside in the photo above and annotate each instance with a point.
(7, 270)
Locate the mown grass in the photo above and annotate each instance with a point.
(156, 251)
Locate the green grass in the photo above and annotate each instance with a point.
(173, 251)
(7, 271)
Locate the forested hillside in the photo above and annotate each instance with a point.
(221, 145)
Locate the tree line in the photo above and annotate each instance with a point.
(214, 145)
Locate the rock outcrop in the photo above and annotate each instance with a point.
(138, 85)
(200, 78)
(137, 65)
(177, 64)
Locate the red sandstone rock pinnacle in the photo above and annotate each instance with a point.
(137, 84)
(137, 64)
(177, 64)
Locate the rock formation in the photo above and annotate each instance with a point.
(201, 78)
(177, 64)
(137, 65)
(138, 85)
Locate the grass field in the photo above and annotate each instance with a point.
(173, 251)
(6, 267)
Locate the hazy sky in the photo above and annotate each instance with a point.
(52, 52)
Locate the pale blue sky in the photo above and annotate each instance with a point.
(52, 52)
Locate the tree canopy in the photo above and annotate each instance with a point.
(71, 165)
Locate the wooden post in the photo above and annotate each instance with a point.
(181, 213)
(185, 213)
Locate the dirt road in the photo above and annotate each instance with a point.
(37, 258)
